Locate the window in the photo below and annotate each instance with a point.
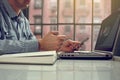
(53, 4)
(37, 19)
(37, 4)
(82, 29)
(53, 28)
(82, 19)
(82, 3)
(67, 3)
(97, 6)
(37, 26)
(67, 28)
(68, 18)
(53, 20)
(37, 30)
(97, 19)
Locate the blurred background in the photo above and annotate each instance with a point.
(77, 19)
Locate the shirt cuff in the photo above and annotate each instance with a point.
(31, 46)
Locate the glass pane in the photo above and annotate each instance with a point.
(66, 30)
(102, 8)
(83, 11)
(96, 29)
(48, 28)
(66, 11)
(36, 29)
(53, 28)
(35, 9)
(82, 32)
(50, 11)
(38, 4)
(43, 17)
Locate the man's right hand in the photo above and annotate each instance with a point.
(51, 41)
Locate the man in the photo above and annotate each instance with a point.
(16, 36)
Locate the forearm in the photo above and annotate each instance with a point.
(15, 46)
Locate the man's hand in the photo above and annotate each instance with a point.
(51, 41)
(69, 46)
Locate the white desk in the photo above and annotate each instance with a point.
(63, 70)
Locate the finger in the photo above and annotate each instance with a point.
(66, 49)
(54, 32)
(70, 42)
(62, 37)
(60, 44)
(76, 45)
(76, 48)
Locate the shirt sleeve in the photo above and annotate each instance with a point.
(15, 46)
(10, 46)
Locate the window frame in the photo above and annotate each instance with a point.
(74, 24)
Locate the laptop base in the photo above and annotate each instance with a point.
(85, 56)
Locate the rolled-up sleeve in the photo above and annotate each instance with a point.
(15, 46)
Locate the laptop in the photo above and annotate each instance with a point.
(116, 51)
(105, 42)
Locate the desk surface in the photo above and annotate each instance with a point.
(63, 70)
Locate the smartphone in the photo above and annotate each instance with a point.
(84, 41)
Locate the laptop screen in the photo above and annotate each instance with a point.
(108, 33)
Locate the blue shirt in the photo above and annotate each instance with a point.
(15, 33)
